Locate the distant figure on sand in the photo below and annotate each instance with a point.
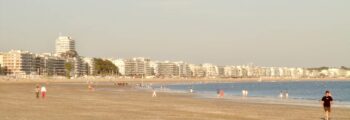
(218, 92)
(43, 91)
(327, 101)
(37, 91)
(281, 95)
(244, 93)
(221, 93)
(154, 93)
(91, 86)
(284, 94)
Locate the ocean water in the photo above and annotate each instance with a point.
(299, 92)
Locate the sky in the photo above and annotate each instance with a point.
(292, 33)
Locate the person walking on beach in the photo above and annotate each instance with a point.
(281, 95)
(327, 101)
(37, 91)
(43, 91)
(218, 92)
(91, 86)
(154, 93)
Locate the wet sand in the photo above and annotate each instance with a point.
(75, 102)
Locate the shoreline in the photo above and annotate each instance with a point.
(165, 80)
(256, 99)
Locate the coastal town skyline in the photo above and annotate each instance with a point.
(52, 51)
(76, 48)
(267, 33)
(66, 61)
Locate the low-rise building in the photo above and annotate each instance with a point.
(19, 62)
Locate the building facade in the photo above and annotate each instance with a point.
(137, 67)
(120, 63)
(64, 44)
(19, 62)
(167, 69)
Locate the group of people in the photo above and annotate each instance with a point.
(245, 93)
(284, 94)
(220, 93)
(40, 89)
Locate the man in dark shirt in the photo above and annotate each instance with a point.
(327, 100)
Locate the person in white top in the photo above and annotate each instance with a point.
(154, 93)
(43, 91)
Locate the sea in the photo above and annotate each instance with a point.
(307, 93)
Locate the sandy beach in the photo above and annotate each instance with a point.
(72, 101)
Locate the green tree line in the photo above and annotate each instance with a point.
(104, 67)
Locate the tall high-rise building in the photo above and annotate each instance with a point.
(64, 44)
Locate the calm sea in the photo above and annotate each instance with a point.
(298, 91)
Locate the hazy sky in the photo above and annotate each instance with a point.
(291, 33)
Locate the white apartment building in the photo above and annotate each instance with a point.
(47, 64)
(184, 69)
(80, 67)
(120, 65)
(211, 70)
(167, 69)
(19, 62)
(197, 70)
(154, 68)
(138, 67)
(90, 65)
(64, 44)
(1, 59)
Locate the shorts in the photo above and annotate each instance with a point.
(327, 109)
(43, 94)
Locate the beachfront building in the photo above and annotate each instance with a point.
(233, 71)
(197, 71)
(137, 67)
(184, 69)
(154, 68)
(64, 44)
(167, 69)
(49, 65)
(19, 62)
(211, 70)
(80, 68)
(90, 64)
(120, 63)
(221, 70)
(348, 73)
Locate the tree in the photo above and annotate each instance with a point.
(104, 67)
(318, 68)
(68, 66)
(344, 68)
(70, 54)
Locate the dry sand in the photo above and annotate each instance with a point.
(75, 102)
